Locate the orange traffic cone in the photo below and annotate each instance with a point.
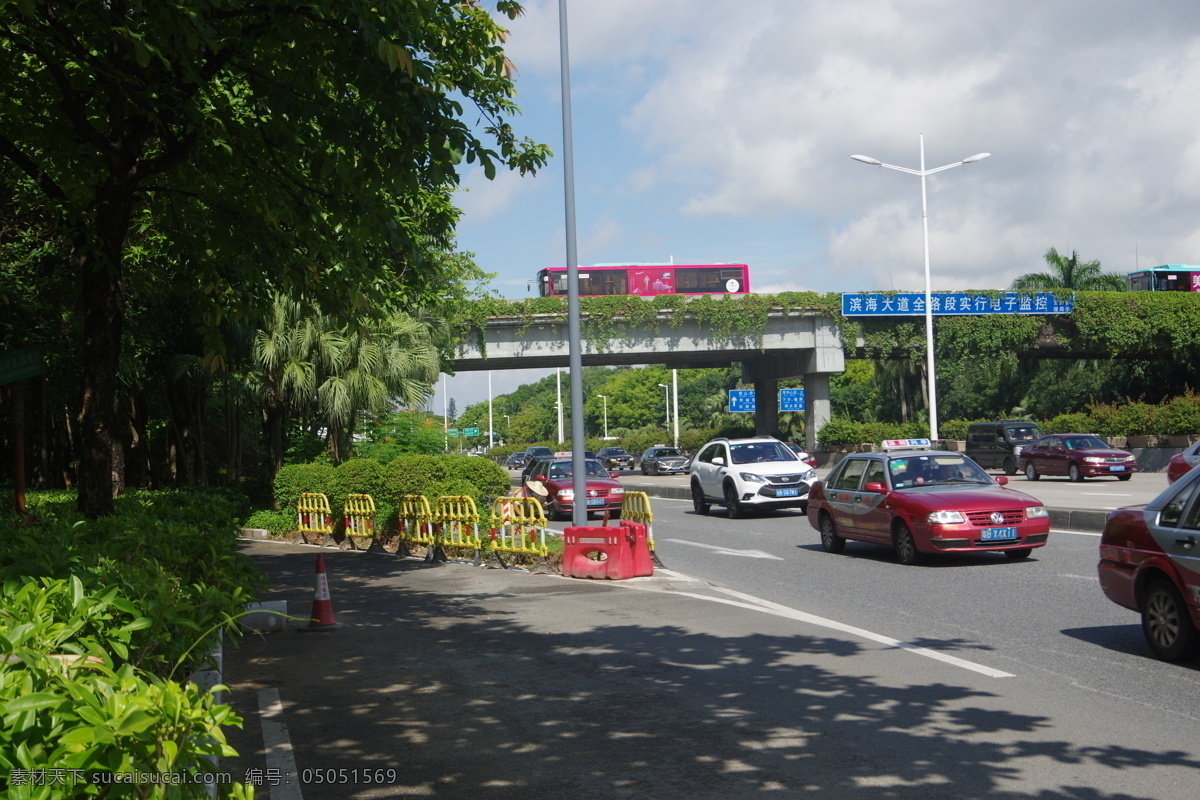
(322, 610)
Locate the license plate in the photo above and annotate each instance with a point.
(595, 501)
(996, 534)
(1116, 469)
(787, 492)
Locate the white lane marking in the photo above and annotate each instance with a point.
(758, 604)
(726, 551)
(1095, 578)
(278, 746)
(1075, 533)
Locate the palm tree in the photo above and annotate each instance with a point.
(1068, 272)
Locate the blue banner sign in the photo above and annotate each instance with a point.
(889, 304)
(741, 401)
(791, 399)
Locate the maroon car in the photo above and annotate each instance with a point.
(916, 500)
(1150, 562)
(1181, 463)
(553, 483)
(1076, 455)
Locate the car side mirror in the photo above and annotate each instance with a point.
(875, 487)
(1002, 480)
(719, 461)
(539, 477)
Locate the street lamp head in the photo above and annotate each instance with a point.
(976, 157)
(663, 385)
(874, 162)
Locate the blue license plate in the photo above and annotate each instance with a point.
(1116, 469)
(998, 534)
(595, 501)
(793, 492)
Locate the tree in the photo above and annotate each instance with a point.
(1068, 272)
(253, 164)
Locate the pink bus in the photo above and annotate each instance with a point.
(648, 280)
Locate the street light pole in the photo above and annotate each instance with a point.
(604, 397)
(667, 401)
(930, 380)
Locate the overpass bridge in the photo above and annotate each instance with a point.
(794, 343)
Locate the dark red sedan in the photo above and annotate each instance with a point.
(916, 500)
(553, 483)
(1077, 456)
(1181, 463)
(1150, 563)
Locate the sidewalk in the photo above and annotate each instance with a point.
(453, 681)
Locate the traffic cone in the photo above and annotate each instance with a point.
(322, 610)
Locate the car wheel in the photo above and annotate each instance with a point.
(1018, 553)
(1031, 471)
(1124, 477)
(699, 503)
(731, 502)
(830, 541)
(1074, 474)
(1010, 467)
(906, 549)
(1166, 623)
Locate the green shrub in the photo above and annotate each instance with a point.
(294, 480)
(1180, 415)
(277, 522)
(1078, 422)
(954, 429)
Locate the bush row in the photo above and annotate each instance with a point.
(101, 622)
(427, 475)
(1177, 416)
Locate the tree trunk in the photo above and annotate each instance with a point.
(103, 322)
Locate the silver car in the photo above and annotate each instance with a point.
(662, 459)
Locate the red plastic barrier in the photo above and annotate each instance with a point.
(597, 552)
(641, 562)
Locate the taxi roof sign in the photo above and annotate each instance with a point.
(906, 444)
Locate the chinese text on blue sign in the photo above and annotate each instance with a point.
(887, 304)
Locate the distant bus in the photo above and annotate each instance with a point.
(648, 280)
(1167, 278)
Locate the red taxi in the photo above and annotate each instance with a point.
(553, 483)
(1150, 562)
(917, 500)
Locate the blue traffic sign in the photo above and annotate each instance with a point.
(791, 399)
(741, 401)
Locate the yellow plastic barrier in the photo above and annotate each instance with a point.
(519, 526)
(360, 515)
(415, 520)
(456, 523)
(636, 508)
(313, 515)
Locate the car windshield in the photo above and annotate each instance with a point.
(1085, 443)
(616, 451)
(758, 452)
(592, 469)
(1024, 433)
(665, 452)
(931, 469)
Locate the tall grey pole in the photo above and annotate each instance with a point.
(579, 484)
(675, 395)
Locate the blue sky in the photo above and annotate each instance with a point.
(710, 131)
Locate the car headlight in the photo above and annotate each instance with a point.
(750, 477)
(1036, 512)
(809, 476)
(566, 494)
(617, 490)
(946, 518)
(1094, 460)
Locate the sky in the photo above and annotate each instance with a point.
(708, 132)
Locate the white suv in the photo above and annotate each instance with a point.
(748, 474)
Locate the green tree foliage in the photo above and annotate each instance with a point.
(1068, 272)
(212, 137)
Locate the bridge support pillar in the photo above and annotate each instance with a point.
(816, 401)
(766, 407)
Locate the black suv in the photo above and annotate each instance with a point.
(515, 461)
(615, 458)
